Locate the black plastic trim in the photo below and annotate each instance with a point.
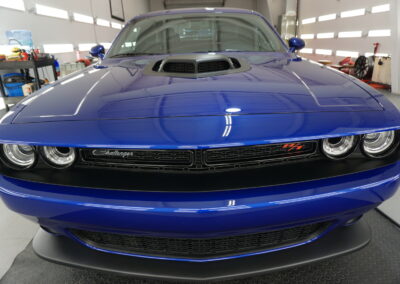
(167, 247)
(63, 250)
(119, 179)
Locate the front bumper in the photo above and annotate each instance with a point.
(202, 214)
(65, 251)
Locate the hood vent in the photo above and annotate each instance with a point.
(197, 65)
(179, 67)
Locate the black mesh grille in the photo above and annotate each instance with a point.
(179, 67)
(197, 160)
(141, 157)
(213, 66)
(261, 152)
(200, 248)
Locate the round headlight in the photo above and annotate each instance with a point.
(339, 147)
(18, 156)
(378, 145)
(59, 157)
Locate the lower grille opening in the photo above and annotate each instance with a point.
(200, 248)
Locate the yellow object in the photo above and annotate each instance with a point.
(16, 50)
(15, 55)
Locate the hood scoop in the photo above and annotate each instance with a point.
(197, 65)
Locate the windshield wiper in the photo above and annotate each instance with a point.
(129, 54)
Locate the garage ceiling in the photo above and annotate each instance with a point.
(174, 4)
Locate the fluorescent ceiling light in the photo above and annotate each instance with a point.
(307, 36)
(307, 50)
(103, 23)
(326, 35)
(13, 4)
(323, 51)
(350, 34)
(51, 12)
(83, 18)
(106, 45)
(380, 9)
(308, 21)
(368, 54)
(58, 48)
(379, 33)
(352, 13)
(327, 17)
(343, 53)
(85, 46)
(116, 25)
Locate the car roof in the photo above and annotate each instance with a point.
(194, 10)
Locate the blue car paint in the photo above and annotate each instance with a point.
(118, 106)
(215, 214)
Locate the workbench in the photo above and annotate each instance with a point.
(24, 66)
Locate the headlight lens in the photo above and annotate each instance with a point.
(19, 156)
(378, 145)
(340, 147)
(59, 157)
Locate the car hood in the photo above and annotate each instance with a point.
(120, 89)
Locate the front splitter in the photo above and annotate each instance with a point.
(63, 250)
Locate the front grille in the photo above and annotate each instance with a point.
(200, 160)
(213, 66)
(140, 157)
(200, 248)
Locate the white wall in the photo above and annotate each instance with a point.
(315, 8)
(247, 4)
(277, 8)
(395, 19)
(48, 30)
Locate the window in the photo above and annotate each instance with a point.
(380, 9)
(103, 23)
(307, 36)
(197, 33)
(352, 13)
(344, 53)
(379, 33)
(83, 18)
(85, 46)
(308, 21)
(307, 50)
(116, 26)
(323, 51)
(326, 35)
(350, 34)
(13, 4)
(327, 17)
(51, 12)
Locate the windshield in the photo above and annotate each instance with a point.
(188, 33)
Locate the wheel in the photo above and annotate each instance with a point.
(364, 67)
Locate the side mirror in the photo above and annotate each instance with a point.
(98, 51)
(296, 43)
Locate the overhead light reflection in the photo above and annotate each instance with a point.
(228, 125)
(72, 79)
(233, 110)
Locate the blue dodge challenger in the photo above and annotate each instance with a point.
(200, 147)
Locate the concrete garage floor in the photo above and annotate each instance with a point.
(16, 232)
